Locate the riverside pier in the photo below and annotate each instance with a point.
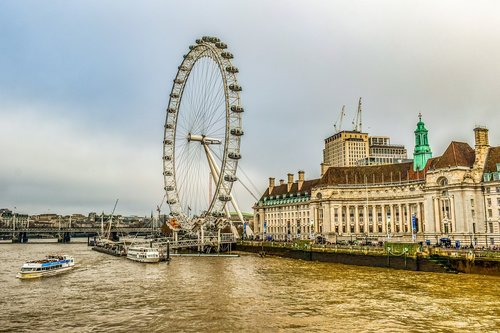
(404, 256)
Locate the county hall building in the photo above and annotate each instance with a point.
(455, 195)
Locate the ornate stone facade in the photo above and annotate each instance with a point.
(454, 196)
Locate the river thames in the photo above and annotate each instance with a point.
(244, 294)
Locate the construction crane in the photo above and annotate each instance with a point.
(356, 123)
(338, 127)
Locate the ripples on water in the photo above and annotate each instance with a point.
(245, 294)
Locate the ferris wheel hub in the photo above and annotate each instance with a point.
(203, 139)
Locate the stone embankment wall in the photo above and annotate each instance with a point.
(367, 258)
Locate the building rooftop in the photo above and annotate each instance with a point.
(372, 174)
(457, 154)
(492, 160)
(282, 189)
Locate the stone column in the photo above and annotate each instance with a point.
(401, 219)
(453, 224)
(436, 215)
(374, 217)
(408, 217)
(348, 218)
(356, 219)
(384, 219)
(365, 216)
(393, 218)
(341, 218)
(419, 217)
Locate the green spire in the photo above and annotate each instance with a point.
(422, 149)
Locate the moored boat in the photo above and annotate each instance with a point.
(143, 253)
(51, 265)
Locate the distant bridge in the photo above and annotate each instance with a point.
(63, 234)
(76, 230)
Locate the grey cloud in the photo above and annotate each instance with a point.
(108, 73)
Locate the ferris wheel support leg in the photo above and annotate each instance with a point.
(233, 228)
(238, 211)
(216, 174)
(218, 240)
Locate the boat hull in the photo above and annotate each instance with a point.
(147, 260)
(50, 266)
(37, 275)
(143, 254)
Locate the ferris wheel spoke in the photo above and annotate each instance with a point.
(216, 115)
(217, 102)
(218, 122)
(210, 82)
(210, 90)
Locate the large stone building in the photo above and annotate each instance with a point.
(455, 195)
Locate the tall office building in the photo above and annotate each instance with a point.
(381, 151)
(345, 148)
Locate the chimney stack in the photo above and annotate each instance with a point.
(290, 182)
(282, 181)
(301, 179)
(481, 136)
(271, 185)
(481, 150)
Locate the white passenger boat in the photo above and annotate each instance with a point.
(51, 265)
(143, 253)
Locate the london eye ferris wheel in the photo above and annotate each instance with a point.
(203, 129)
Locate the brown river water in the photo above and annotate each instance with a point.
(243, 294)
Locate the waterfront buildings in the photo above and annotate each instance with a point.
(455, 196)
(8, 219)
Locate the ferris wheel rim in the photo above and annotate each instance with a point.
(212, 48)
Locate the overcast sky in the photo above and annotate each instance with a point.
(84, 86)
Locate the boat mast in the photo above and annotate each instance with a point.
(111, 220)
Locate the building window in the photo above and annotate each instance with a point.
(442, 181)
(490, 213)
(491, 227)
(489, 202)
(472, 202)
(488, 190)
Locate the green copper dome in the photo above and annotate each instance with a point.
(422, 151)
